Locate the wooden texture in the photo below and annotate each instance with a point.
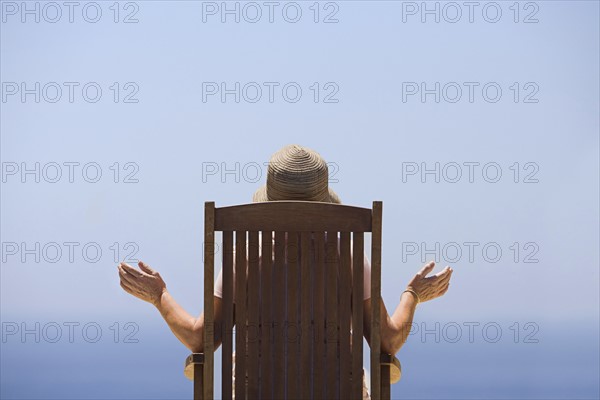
(345, 313)
(357, 313)
(279, 316)
(291, 330)
(394, 365)
(190, 362)
(253, 313)
(298, 310)
(385, 382)
(319, 367)
(227, 344)
(209, 282)
(198, 387)
(306, 216)
(266, 306)
(332, 323)
(376, 302)
(240, 314)
(306, 326)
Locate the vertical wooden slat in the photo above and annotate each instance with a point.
(240, 314)
(198, 374)
(279, 294)
(227, 336)
(345, 313)
(266, 318)
(253, 332)
(385, 382)
(209, 283)
(332, 324)
(376, 301)
(357, 313)
(306, 317)
(291, 331)
(319, 367)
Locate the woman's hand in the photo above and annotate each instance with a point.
(428, 288)
(144, 283)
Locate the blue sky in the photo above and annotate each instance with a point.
(544, 219)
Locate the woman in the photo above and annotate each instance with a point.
(294, 173)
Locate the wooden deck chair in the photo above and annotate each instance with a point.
(295, 319)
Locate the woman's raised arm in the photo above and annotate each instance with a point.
(396, 328)
(147, 284)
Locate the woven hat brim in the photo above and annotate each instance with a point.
(261, 196)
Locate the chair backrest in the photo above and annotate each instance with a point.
(299, 307)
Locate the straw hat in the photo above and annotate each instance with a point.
(296, 173)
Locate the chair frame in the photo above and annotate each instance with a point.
(278, 217)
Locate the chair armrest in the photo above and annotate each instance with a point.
(192, 360)
(386, 359)
(394, 364)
